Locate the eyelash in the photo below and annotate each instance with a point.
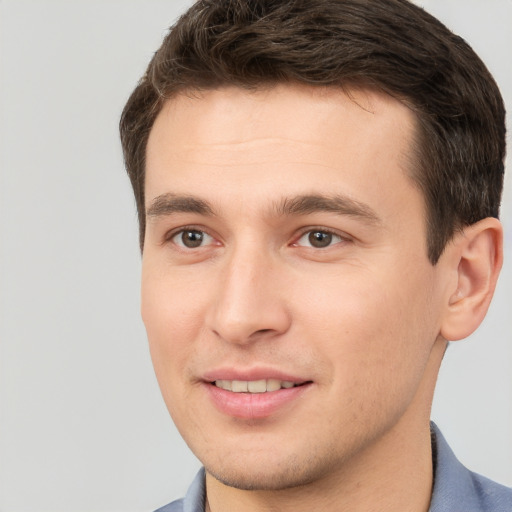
(326, 231)
(169, 237)
(307, 231)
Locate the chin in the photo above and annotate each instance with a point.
(287, 474)
(251, 481)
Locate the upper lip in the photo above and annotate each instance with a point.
(251, 374)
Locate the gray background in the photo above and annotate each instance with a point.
(82, 424)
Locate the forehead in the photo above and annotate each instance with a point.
(244, 114)
(279, 140)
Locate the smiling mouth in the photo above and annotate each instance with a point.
(255, 386)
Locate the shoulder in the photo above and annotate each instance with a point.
(491, 496)
(175, 506)
(457, 489)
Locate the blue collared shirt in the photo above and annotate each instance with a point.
(456, 489)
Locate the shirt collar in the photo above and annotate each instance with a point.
(453, 483)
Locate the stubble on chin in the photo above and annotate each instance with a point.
(296, 471)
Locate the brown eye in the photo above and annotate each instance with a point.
(319, 239)
(191, 238)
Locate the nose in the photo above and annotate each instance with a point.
(250, 303)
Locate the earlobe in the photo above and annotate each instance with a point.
(478, 256)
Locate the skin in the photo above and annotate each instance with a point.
(363, 320)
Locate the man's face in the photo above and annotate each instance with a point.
(285, 245)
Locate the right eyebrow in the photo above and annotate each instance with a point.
(167, 204)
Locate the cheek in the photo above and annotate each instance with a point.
(171, 314)
(375, 329)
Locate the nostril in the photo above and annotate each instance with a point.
(263, 331)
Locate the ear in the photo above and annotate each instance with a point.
(476, 256)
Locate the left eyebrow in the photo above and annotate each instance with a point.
(338, 204)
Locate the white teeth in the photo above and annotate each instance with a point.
(273, 384)
(253, 386)
(239, 386)
(224, 384)
(257, 386)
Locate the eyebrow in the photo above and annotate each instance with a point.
(169, 203)
(338, 204)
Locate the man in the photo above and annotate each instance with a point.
(318, 186)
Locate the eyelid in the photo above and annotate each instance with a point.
(170, 234)
(311, 229)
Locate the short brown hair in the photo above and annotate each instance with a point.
(389, 45)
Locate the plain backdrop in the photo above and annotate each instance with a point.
(82, 424)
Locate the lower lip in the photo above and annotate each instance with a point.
(253, 405)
